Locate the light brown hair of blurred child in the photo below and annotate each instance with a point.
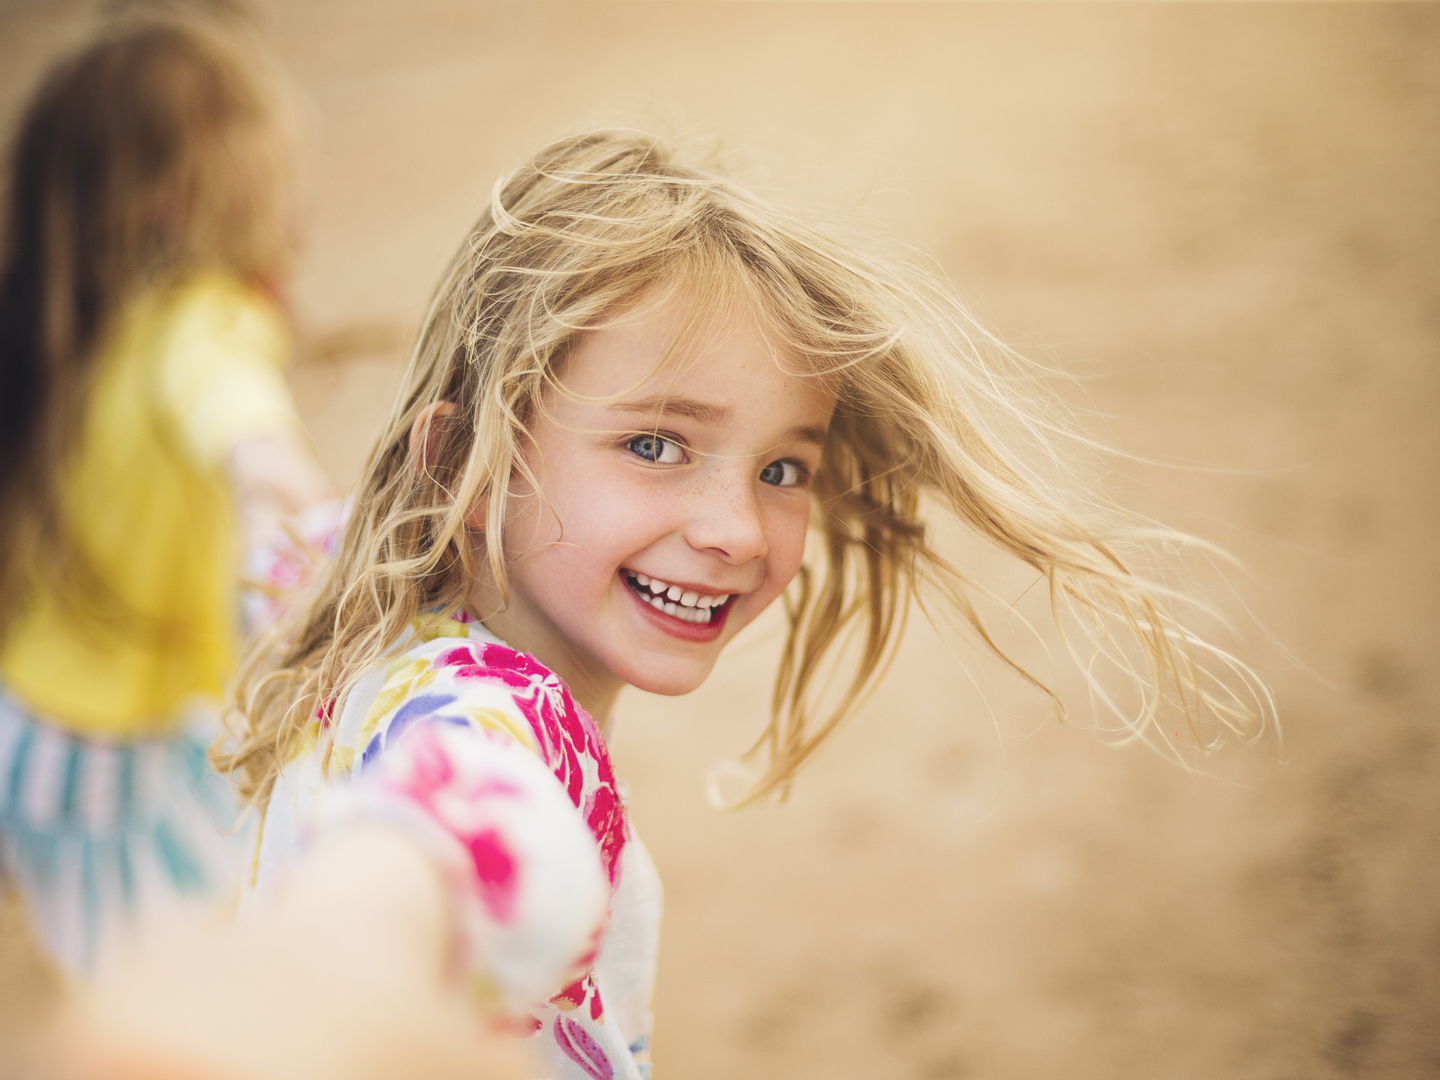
(150, 227)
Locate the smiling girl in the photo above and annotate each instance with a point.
(632, 558)
(636, 392)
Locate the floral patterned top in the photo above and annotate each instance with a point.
(482, 753)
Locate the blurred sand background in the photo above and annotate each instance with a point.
(1224, 219)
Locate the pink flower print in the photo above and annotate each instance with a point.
(569, 741)
(518, 839)
(605, 816)
(431, 768)
(423, 771)
(495, 867)
(577, 993)
(580, 1048)
(573, 996)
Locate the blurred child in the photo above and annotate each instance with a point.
(637, 390)
(150, 228)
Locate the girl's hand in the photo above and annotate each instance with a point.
(273, 480)
(345, 979)
(288, 514)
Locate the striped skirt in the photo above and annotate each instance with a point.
(97, 835)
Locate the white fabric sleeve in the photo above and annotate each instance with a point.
(524, 871)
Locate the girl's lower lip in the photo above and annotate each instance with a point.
(686, 631)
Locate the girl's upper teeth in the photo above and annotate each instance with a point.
(675, 594)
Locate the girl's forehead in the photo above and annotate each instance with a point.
(662, 340)
(723, 370)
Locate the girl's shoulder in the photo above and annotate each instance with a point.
(207, 303)
(216, 311)
(219, 290)
(207, 355)
(455, 671)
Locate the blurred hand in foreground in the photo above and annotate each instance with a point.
(346, 978)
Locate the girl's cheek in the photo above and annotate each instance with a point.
(788, 548)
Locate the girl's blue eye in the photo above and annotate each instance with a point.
(656, 448)
(781, 474)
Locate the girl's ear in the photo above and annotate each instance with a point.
(426, 434)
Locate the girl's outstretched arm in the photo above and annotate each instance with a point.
(347, 976)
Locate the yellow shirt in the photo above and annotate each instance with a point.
(188, 374)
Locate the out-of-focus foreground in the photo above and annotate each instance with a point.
(1224, 219)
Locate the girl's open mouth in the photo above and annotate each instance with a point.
(684, 604)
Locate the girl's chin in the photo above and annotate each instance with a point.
(670, 680)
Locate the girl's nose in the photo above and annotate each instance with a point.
(726, 520)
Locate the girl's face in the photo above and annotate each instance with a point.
(665, 519)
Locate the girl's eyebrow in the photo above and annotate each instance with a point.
(702, 411)
(808, 433)
(706, 413)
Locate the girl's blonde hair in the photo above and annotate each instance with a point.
(576, 236)
(156, 151)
